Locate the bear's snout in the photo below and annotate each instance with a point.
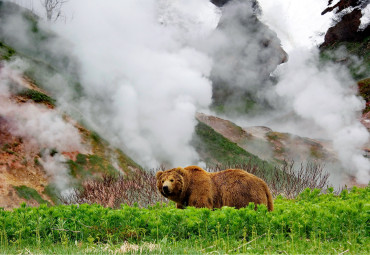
(166, 190)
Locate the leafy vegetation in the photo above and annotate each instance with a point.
(29, 193)
(311, 223)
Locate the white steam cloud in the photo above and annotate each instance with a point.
(244, 50)
(325, 97)
(39, 126)
(365, 20)
(143, 83)
(297, 23)
(42, 126)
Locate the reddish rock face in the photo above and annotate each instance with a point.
(341, 5)
(18, 166)
(366, 120)
(244, 50)
(347, 29)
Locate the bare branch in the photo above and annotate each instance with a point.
(53, 8)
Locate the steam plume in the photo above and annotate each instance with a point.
(39, 126)
(326, 98)
(143, 83)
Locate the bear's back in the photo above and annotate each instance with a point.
(237, 188)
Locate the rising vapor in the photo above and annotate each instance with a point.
(326, 98)
(40, 128)
(143, 82)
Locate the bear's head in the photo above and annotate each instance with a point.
(171, 183)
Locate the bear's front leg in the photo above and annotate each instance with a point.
(179, 206)
(201, 202)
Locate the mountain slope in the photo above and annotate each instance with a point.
(43, 151)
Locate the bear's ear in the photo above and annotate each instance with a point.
(158, 174)
(181, 171)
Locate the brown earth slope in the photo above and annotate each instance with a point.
(42, 151)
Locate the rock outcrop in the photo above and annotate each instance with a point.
(348, 28)
(245, 52)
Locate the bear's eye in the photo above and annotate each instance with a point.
(171, 180)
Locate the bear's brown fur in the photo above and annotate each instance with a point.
(193, 186)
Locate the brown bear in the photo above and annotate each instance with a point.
(193, 186)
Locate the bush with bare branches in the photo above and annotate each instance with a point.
(53, 8)
(288, 180)
(140, 187)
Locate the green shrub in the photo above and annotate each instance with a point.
(312, 215)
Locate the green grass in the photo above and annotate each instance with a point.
(125, 162)
(241, 106)
(86, 165)
(29, 193)
(312, 223)
(359, 49)
(96, 137)
(216, 149)
(37, 97)
(101, 147)
(7, 148)
(276, 136)
(6, 52)
(52, 192)
(262, 245)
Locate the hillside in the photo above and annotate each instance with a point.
(35, 169)
(44, 151)
(270, 145)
